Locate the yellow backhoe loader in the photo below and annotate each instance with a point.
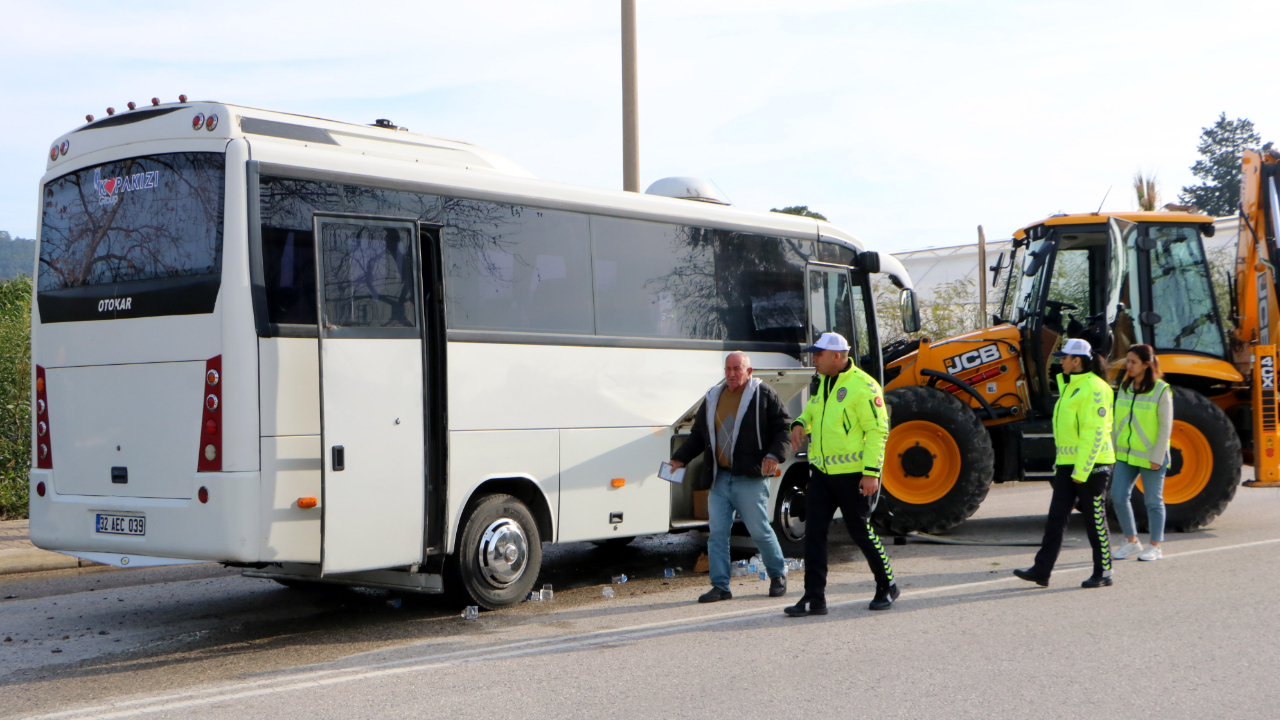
(975, 408)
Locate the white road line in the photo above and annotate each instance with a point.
(323, 678)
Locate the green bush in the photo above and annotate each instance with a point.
(15, 396)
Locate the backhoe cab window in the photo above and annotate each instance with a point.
(1181, 293)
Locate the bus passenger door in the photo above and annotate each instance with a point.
(831, 305)
(371, 394)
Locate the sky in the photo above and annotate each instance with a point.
(907, 124)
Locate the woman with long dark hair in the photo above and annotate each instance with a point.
(1143, 425)
(1082, 432)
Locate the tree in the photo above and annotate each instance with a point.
(1221, 147)
(801, 210)
(1145, 187)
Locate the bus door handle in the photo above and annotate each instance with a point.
(339, 458)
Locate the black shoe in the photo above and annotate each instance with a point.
(808, 605)
(1032, 577)
(778, 586)
(715, 594)
(885, 596)
(1097, 581)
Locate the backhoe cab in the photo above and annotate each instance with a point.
(977, 408)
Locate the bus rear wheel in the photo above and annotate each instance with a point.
(1204, 465)
(499, 553)
(938, 462)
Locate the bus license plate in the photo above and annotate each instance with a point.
(122, 524)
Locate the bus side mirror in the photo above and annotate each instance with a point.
(910, 311)
(869, 262)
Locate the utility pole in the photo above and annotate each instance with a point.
(982, 279)
(630, 101)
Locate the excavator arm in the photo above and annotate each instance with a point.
(1257, 314)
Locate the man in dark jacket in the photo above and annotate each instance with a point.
(742, 426)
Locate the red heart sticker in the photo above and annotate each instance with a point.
(109, 185)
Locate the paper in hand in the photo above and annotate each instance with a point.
(666, 473)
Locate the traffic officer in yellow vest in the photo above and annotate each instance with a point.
(847, 426)
(1082, 432)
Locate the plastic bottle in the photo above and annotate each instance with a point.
(608, 592)
(619, 579)
(547, 592)
(472, 612)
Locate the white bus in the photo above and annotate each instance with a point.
(346, 353)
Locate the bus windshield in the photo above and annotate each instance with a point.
(154, 222)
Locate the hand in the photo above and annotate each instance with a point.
(675, 464)
(769, 467)
(797, 437)
(870, 485)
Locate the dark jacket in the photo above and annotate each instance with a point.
(762, 427)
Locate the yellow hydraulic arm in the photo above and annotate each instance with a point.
(1258, 317)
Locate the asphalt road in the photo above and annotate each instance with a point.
(1193, 635)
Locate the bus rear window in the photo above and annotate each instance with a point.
(133, 238)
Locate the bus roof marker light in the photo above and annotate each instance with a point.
(88, 118)
(111, 111)
(182, 98)
(155, 101)
(198, 121)
(132, 105)
(211, 122)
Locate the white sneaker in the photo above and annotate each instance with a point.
(1132, 548)
(1151, 553)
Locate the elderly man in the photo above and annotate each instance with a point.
(742, 426)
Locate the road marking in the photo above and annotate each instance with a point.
(324, 678)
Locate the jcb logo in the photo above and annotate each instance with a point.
(972, 359)
(1268, 373)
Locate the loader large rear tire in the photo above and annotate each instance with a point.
(938, 462)
(1204, 465)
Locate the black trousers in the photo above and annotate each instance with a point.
(824, 494)
(1091, 496)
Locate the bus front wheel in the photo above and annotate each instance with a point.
(499, 553)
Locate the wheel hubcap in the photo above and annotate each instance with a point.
(921, 463)
(504, 553)
(791, 514)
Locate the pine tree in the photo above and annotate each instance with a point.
(1221, 147)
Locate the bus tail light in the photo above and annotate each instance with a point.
(210, 459)
(40, 488)
(203, 495)
(44, 443)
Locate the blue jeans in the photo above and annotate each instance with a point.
(1122, 482)
(750, 497)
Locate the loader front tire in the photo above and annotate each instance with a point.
(938, 462)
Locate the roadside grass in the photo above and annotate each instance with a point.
(15, 396)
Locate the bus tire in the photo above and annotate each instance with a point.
(938, 462)
(789, 510)
(499, 553)
(1204, 465)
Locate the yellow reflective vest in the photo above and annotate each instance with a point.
(847, 424)
(1140, 438)
(1082, 424)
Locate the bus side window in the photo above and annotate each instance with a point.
(289, 273)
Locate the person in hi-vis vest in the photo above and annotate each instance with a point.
(1143, 426)
(1082, 432)
(847, 425)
